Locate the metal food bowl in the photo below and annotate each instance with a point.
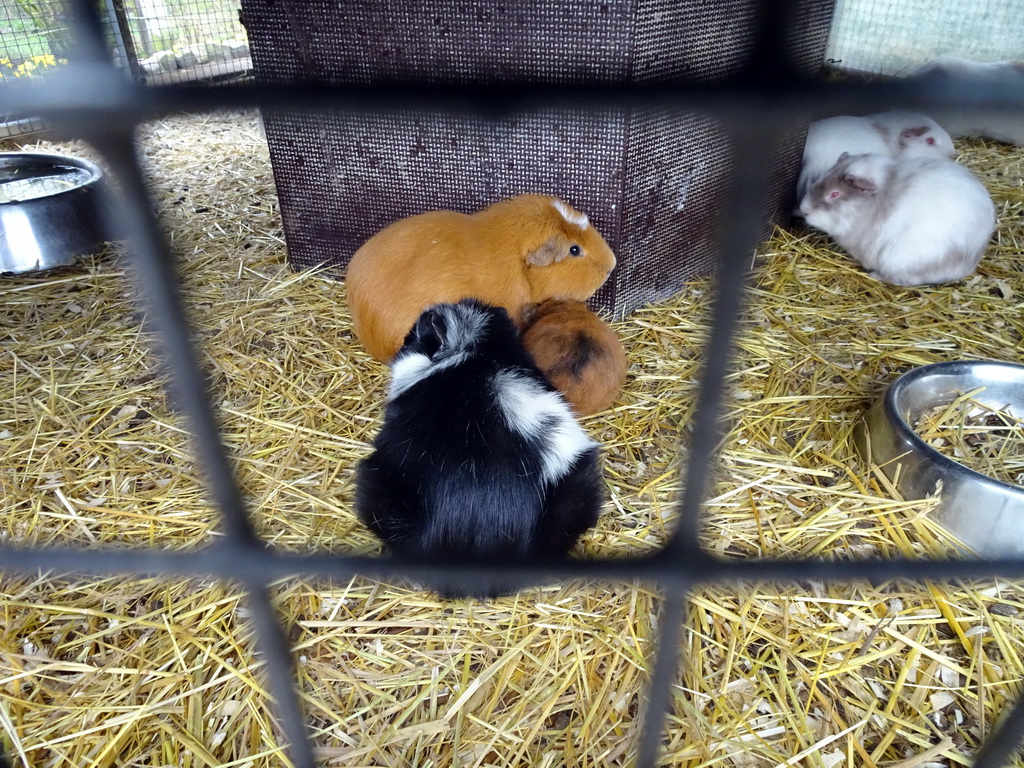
(50, 210)
(986, 514)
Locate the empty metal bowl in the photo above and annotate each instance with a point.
(50, 210)
(984, 513)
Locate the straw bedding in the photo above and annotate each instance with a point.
(158, 672)
(987, 439)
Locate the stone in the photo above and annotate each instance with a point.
(192, 56)
(239, 48)
(218, 51)
(161, 61)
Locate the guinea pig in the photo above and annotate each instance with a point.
(892, 133)
(908, 221)
(516, 252)
(479, 458)
(578, 352)
(912, 135)
(827, 139)
(1001, 126)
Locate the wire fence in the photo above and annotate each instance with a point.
(158, 41)
(894, 36)
(94, 100)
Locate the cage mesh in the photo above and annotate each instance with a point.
(651, 181)
(158, 41)
(188, 40)
(239, 556)
(892, 36)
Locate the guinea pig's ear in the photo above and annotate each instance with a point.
(547, 253)
(913, 133)
(862, 184)
(429, 332)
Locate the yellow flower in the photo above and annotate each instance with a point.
(36, 65)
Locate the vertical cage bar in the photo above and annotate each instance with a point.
(738, 242)
(123, 36)
(156, 277)
(1000, 747)
(663, 674)
(738, 238)
(272, 642)
(88, 42)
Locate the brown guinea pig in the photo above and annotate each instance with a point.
(516, 252)
(578, 352)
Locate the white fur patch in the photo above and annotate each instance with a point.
(411, 369)
(573, 217)
(534, 412)
(406, 371)
(464, 324)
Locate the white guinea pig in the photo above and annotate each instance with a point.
(1004, 126)
(912, 135)
(908, 221)
(894, 133)
(827, 139)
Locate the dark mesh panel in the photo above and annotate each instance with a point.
(440, 41)
(651, 183)
(808, 35)
(341, 177)
(692, 40)
(676, 176)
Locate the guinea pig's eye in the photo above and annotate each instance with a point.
(833, 194)
(930, 140)
(575, 250)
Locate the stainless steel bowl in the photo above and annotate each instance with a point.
(985, 514)
(50, 210)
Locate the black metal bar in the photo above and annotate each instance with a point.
(125, 38)
(273, 646)
(663, 674)
(88, 41)
(738, 240)
(1000, 747)
(152, 267)
(77, 96)
(224, 562)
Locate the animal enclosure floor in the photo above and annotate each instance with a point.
(141, 672)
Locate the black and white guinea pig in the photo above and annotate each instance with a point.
(893, 134)
(908, 221)
(479, 458)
